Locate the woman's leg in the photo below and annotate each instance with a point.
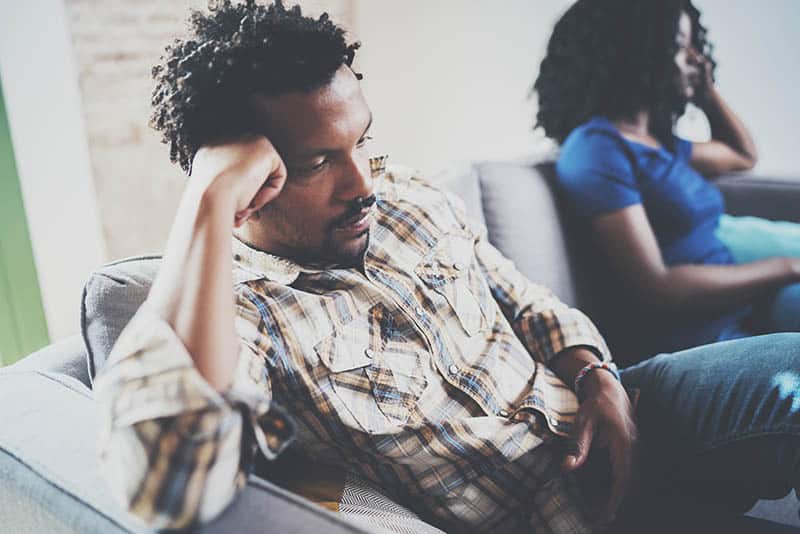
(719, 424)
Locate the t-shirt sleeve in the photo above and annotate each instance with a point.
(683, 149)
(596, 175)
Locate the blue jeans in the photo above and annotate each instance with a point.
(719, 428)
(752, 239)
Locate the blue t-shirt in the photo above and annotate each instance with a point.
(600, 171)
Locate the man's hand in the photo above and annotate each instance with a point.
(605, 421)
(244, 175)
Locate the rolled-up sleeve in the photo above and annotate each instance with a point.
(544, 324)
(173, 450)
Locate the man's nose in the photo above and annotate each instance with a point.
(356, 181)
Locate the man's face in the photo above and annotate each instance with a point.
(321, 136)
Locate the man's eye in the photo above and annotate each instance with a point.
(306, 171)
(363, 141)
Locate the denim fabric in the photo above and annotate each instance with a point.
(719, 428)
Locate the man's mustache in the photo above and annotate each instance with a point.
(356, 206)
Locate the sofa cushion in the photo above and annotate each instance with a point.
(47, 458)
(67, 357)
(111, 296)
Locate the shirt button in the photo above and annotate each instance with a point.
(419, 311)
(368, 353)
(453, 369)
(502, 413)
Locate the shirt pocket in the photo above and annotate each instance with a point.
(451, 272)
(375, 385)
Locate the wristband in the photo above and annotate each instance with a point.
(608, 366)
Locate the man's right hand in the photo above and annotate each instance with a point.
(244, 175)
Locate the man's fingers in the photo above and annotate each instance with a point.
(580, 443)
(271, 187)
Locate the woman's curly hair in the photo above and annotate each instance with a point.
(614, 58)
(203, 82)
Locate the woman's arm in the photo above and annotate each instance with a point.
(731, 147)
(630, 244)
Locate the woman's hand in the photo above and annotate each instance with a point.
(794, 267)
(244, 175)
(605, 421)
(705, 77)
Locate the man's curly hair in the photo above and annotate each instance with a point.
(614, 58)
(203, 81)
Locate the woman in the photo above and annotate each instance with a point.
(617, 75)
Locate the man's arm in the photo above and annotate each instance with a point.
(181, 413)
(194, 289)
(566, 340)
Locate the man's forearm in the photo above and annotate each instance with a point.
(194, 288)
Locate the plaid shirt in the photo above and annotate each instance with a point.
(426, 374)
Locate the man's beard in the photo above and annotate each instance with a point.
(331, 252)
(334, 255)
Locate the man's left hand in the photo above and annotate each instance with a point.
(605, 420)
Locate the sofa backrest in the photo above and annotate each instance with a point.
(528, 221)
(111, 296)
(519, 205)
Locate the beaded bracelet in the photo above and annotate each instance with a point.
(608, 366)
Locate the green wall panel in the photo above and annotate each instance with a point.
(23, 328)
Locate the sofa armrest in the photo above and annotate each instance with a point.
(760, 196)
(51, 482)
(67, 357)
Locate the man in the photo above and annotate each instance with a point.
(407, 350)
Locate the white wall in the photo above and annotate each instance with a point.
(47, 131)
(448, 79)
(757, 47)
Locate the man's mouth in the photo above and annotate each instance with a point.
(355, 223)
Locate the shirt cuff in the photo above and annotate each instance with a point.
(150, 375)
(251, 392)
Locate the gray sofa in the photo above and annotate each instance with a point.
(49, 480)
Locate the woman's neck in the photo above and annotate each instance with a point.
(636, 128)
(636, 124)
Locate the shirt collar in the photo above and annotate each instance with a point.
(254, 264)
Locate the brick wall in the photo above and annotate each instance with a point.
(116, 42)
